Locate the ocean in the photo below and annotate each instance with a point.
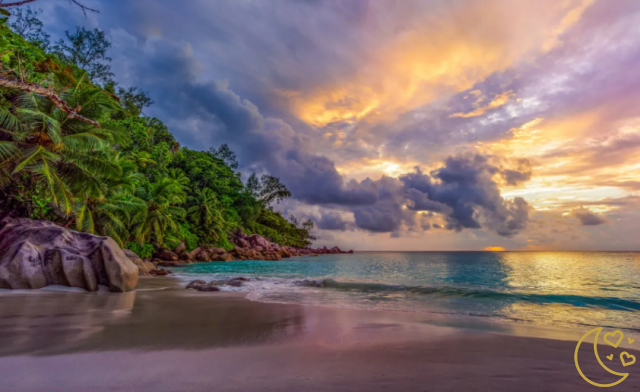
(564, 289)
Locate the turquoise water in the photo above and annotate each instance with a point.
(544, 288)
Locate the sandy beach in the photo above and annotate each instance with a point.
(162, 338)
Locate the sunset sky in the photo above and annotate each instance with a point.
(405, 125)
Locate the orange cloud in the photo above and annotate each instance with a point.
(496, 102)
(449, 51)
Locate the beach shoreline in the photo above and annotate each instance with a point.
(163, 338)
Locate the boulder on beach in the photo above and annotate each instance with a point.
(202, 256)
(166, 255)
(180, 248)
(177, 263)
(35, 254)
(144, 266)
(258, 240)
(208, 287)
(216, 251)
(195, 284)
(160, 272)
(186, 257)
(194, 252)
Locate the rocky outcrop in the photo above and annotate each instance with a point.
(160, 272)
(35, 254)
(144, 266)
(166, 255)
(201, 285)
(216, 251)
(256, 247)
(180, 248)
(208, 287)
(246, 247)
(195, 284)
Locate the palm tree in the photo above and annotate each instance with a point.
(111, 215)
(143, 159)
(178, 176)
(161, 212)
(64, 156)
(206, 214)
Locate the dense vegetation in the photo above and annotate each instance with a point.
(104, 167)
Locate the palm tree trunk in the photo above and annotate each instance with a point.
(55, 98)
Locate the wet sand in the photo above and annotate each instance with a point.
(175, 340)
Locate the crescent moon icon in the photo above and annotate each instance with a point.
(595, 350)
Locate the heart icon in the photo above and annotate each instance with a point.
(630, 340)
(612, 334)
(632, 359)
(610, 356)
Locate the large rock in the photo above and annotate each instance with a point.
(258, 240)
(216, 251)
(166, 255)
(194, 252)
(207, 287)
(223, 257)
(144, 266)
(160, 272)
(180, 248)
(195, 284)
(177, 263)
(186, 257)
(35, 254)
(202, 256)
(241, 242)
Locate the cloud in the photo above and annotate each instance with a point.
(342, 99)
(331, 220)
(465, 191)
(496, 102)
(586, 217)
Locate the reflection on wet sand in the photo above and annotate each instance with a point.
(45, 323)
(34, 321)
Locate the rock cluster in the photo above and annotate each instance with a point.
(256, 247)
(246, 247)
(35, 254)
(201, 285)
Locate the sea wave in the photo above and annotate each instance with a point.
(612, 303)
(264, 284)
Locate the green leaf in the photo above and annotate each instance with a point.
(4, 12)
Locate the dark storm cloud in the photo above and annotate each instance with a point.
(331, 220)
(208, 113)
(386, 214)
(586, 217)
(465, 192)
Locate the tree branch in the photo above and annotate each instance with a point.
(16, 4)
(46, 92)
(83, 7)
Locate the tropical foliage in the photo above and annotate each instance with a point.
(109, 169)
